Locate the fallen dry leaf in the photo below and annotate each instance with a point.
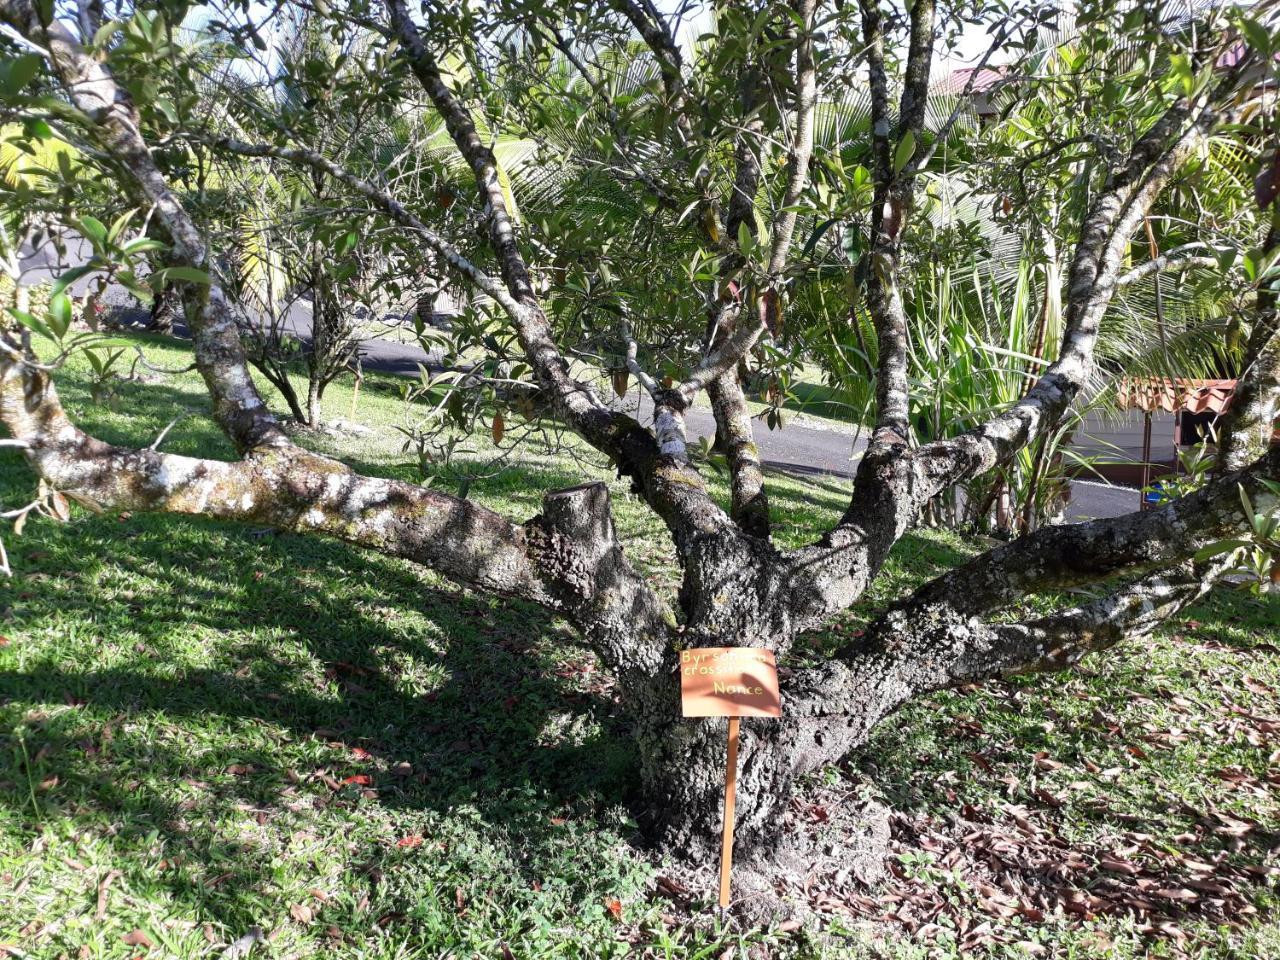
(1116, 865)
(1177, 893)
(137, 938)
(103, 884)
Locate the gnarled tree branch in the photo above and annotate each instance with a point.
(568, 559)
(1172, 260)
(216, 341)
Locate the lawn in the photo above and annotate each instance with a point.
(223, 741)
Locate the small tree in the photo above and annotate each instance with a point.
(720, 148)
(283, 261)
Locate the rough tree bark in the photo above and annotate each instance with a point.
(738, 588)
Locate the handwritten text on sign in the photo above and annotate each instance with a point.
(729, 682)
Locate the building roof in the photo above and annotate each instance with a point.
(984, 78)
(1153, 394)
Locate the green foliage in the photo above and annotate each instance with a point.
(1254, 558)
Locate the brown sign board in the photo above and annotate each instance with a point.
(729, 682)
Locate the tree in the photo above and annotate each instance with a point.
(286, 236)
(722, 150)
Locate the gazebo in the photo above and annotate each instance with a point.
(1195, 404)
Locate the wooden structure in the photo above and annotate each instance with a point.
(1195, 404)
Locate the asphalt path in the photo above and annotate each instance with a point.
(804, 446)
(801, 447)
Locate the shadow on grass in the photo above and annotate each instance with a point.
(167, 675)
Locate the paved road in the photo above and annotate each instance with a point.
(802, 448)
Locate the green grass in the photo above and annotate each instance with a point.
(209, 730)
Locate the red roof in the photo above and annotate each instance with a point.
(958, 80)
(1153, 394)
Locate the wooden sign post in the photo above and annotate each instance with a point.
(729, 682)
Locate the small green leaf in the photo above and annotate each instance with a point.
(129, 281)
(1247, 503)
(142, 245)
(1267, 263)
(184, 274)
(1217, 549)
(117, 227)
(906, 150)
(70, 277)
(95, 231)
(168, 109)
(1258, 36)
(60, 314)
(1183, 72)
(106, 32)
(817, 235)
(31, 323)
(17, 73)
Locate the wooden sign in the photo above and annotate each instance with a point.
(729, 682)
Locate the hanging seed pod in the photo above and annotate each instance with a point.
(620, 382)
(770, 308)
(499, 428)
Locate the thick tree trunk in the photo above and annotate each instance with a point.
(321, 337)
(682, 768)
(827, 713)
